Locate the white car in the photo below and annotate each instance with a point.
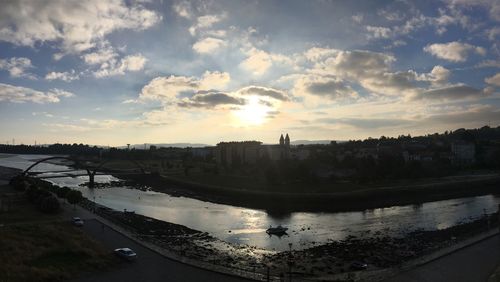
(77, 221)
(126, 253)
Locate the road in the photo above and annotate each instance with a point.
(150, 266)
(474, 263)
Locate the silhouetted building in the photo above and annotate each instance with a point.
(463, 153)
(249, 152)
(277, 152)
(231, 153)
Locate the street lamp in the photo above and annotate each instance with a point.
(290, 262)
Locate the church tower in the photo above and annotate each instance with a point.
(287, 140)
(282, 140)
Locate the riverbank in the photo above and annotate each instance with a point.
(328, 260)
(362, 199)
(331, 261)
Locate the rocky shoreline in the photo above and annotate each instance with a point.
(333, 258)
(336, 257)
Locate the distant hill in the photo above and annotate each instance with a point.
(166, 145)
(309, 142)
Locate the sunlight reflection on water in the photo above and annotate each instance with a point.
(247, 226)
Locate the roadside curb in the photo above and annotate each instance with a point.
(199, 264)
(442, 253)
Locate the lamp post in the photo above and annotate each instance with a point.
(290, 262)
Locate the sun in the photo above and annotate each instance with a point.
(253, 113)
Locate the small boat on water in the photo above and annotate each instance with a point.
(278, 230)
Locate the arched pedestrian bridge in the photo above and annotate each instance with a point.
(90, 166)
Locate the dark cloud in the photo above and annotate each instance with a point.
(330, 88)
(208, 99)
(264, 91)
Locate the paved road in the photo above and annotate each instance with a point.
(149, 266)
(471, 264)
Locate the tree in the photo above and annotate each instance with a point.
(74, 197)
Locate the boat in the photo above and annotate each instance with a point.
(278, 230)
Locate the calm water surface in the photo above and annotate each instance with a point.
(247, 226)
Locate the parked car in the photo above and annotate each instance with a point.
(126, 253)
(358, 265)
(77, 221)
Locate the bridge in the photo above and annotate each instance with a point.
(80, 164)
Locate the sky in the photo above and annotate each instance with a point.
(117, 72)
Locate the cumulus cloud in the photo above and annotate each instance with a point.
(119, 67)
(438, 76)
(259, 61)
(17, 67)
(167, 89)
(353, 64)
(492, 6)
(64, 76)
(102, 55)
(204, 22)
(494, 80)
(192, 92)
(489, 64)
(77, 25)
(378, 32)
(183, 9)
(19, 94)
(324, 86)
(371, 70)
(214, 80)
(453, 51)
(208, 45)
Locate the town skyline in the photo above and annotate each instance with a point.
(291, 142)
(194, 71)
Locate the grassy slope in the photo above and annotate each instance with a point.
(40, 247)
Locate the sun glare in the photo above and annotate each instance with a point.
(253, 113)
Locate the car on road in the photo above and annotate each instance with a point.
(358, 265)
(77, 221)
(126, 253)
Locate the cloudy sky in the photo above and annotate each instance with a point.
(117, 72)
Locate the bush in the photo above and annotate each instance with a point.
(49, 204)
(62, 192)
(19, 183)
(74, 196)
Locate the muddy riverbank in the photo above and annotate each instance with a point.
(335, 257)
(378, 197)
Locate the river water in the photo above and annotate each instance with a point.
(247, 226)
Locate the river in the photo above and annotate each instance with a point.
(247, 226)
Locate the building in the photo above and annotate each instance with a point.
(277, 152)
(236, 153)
(463, 153)
(249, 152)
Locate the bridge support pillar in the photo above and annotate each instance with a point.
(91, 178)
